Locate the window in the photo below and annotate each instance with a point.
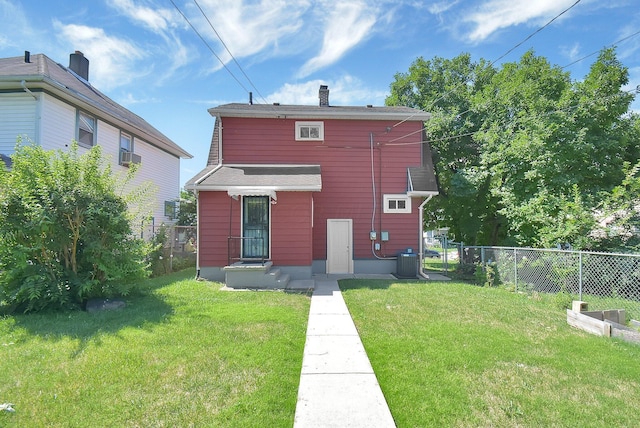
(397, 204)
(171, 209)
(309, 131)
(86, 129)
(126, 143)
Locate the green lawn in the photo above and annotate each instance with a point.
(182, 354)
(453, 354)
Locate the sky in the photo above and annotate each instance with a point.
(170, 60)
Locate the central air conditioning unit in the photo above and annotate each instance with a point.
(127, 158)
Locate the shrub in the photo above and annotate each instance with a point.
(65, 235)
(487, 275)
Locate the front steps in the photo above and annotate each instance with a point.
(262, 276)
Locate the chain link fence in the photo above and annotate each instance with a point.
(179, 247)
(603, 280)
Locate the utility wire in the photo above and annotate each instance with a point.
(501, 56)
(535, 32)
(208, 46)
(504, 124)
(595, 52)
(229, 52)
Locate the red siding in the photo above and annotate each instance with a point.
(219, 215)
(291, 229)
(347, 192)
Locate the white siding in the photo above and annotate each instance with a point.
(163, 170)
(17, 118)
(108, 137)
(58, 124)
(56, 129)
(157, 167)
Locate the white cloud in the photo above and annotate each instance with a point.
(161, 22)
(572, 52)
(113, 60)
(155, 20)
(346, 90)
(347, 25)
(441, 6)
(247, 29)
(498, 14)
(16, 31)
(628, 48)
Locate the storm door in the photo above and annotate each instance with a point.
(255, 227)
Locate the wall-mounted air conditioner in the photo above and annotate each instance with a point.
(127, 158)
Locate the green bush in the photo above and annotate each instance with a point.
(487, 275)
(65, 234)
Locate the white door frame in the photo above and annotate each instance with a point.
(339, 246)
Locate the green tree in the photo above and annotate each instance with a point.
(65, 235)
(524, 154)
(188, 212)
(448, 88)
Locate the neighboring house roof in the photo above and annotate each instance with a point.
(42, 73)
(319, 112)
(254, 180)
(6, 160)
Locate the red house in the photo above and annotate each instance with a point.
(292, 191)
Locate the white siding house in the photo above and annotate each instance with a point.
(43, 102)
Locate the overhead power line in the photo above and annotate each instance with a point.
(500, 57)
(505, 124)
(208, 46)
(535, 32)
(600, 50)
(229, 51)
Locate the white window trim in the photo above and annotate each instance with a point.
(79, 121)
(319, 125)
(397, 197)
(127, 135)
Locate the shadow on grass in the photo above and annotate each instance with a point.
(143, 310)
(372, 284)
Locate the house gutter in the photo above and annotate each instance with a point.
(23, 83)
(421, 269)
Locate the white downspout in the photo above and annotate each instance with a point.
(27, 90)
(421, 270)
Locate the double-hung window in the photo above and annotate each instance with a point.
(85, 129)
(126, 143)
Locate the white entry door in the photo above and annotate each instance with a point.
(339, 246)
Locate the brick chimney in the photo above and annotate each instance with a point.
(79, 64)
(323, 94)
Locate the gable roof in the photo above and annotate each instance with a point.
(43, 74)
(6, 160)
(319, 112)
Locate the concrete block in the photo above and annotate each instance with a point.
(579, 306)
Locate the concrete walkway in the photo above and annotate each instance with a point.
(337, 385)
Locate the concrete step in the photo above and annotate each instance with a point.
(282, 280)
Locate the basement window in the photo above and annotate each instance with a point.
(309, 131)
(397, 204)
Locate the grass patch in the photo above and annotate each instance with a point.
(453, 354)
(183, 353)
